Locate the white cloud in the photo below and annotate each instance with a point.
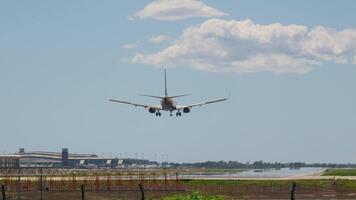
(130, 46)
(329, 44)
(158, 39)
(172, 10)
(244, 46)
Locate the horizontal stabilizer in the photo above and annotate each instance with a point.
(182, 95)
(153, 96)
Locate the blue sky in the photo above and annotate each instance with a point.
(60, 62)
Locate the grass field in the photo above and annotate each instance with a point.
(193, 196)
(323, 183)
(340, 172)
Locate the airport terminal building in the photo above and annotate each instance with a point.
(65, 159)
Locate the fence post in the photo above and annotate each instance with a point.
(74, 182)
(85, 180)
(131, 182)
(118, 181)
(165, 181)
(142, 192)
(142, 179)
(82, 189)
(177, 182)
(154, 184)
(97, 184)
(294, 184)
(108, 182)
(3, 192)
(19, 187)
(51, 183)
(28, 183)
(41, 184)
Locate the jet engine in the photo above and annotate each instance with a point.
(151, 110)
(186, 110)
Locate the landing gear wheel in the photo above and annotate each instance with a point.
(159, 114)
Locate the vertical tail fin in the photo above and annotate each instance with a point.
(165, 83)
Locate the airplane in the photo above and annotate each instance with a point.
(167, 103)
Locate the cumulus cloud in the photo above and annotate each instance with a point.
(130, 46)
(158, 39)
(171, 10)
(244, 46)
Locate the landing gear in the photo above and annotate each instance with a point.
(158, 114)
(178, 114)
(171, 114)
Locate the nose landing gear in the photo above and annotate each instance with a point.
(158, 114)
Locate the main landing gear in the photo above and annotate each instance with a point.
(177, 114)
(158, 114)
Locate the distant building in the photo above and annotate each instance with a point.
(9, 161)
(66, 160)
(65, 157)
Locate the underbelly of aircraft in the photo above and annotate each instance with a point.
(168, 106)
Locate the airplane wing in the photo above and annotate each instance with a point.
(135, 104)
(200, 104)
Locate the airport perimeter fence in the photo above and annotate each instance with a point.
(164, 182)
(92, 182)
(256, 188)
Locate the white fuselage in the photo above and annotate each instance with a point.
(168, 104)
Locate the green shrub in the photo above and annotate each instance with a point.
(194, 196)
(340, 172)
